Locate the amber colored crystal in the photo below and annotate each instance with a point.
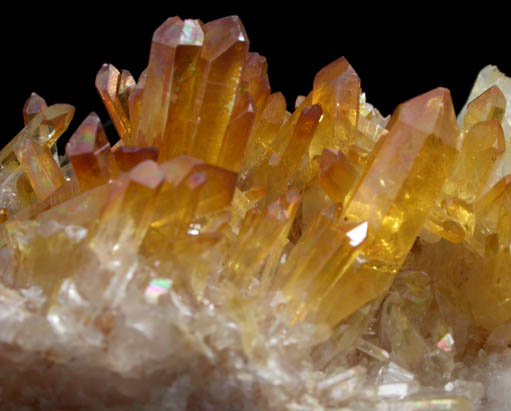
(289, 123)
(482, 149)
(25, 191)
(185, 92)
(178, 200)
(128, 157)
(255, 80)
(490, 105)
(39, 166)
(218, 194)
(255, 66)
(43, 129)
(394, 198)
(90, 154)
(213, 196)
(261, 234)
(264, 133)
(487, 213)
(337, 89)
(222, 59)
(310, 273)
(302, 136)
(242, 202)
(173, 34)
(481, 152)
(113, 87)
(337, 175)
(190, 189)
(134, 105)
(475, 279)
(45, 243)
(315, 199)
(132, 197)
(127, 85)
(51, 123)
(280, 167)
(34, 104)
(491, 304)
(237, 133)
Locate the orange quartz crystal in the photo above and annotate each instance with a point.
(391, 200)
(34, 104)
(114, 89)
(90, 154)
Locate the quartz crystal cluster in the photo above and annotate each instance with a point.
(226, 254)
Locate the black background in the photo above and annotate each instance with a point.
(398, 51)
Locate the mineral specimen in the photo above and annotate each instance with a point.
(227, 254)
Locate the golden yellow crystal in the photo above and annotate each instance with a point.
(39, 166)
(90, 155)
(128, 157)
(262, 234)
(264, 133)
(43, 129)
(255, 79)
(237, 133)
(134, 105)
(337, 175)
(392, 199)
(156, 100)
(114, 89)
(337, 89)
(475, 276)
(33, 106)
(222, 59)
(187, 85)
(491, 105)
(481, 152)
